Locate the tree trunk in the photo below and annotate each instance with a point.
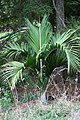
(15, 95)
(59, 8)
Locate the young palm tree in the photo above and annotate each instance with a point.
(41, 43)
(38, 38)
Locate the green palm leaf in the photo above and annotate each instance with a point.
(15, 49)
(71, 46)
(11, 72)
(39, 36)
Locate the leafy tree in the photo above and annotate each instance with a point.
(12, 13)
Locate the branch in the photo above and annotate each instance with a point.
(10, 34)
(58, 13)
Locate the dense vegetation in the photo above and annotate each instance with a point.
(36, 38)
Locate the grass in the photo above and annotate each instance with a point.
(58, 110)
(28, 108)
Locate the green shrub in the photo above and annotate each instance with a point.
(6, 100)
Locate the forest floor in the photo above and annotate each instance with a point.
(30, 108)
(60, 109)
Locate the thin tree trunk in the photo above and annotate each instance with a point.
(59, 8)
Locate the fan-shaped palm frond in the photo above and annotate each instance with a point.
(55, 59)
(70, 44)
(39, 35)
(14, 35)
(15, 49)
(11, 72)
(4, 35)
